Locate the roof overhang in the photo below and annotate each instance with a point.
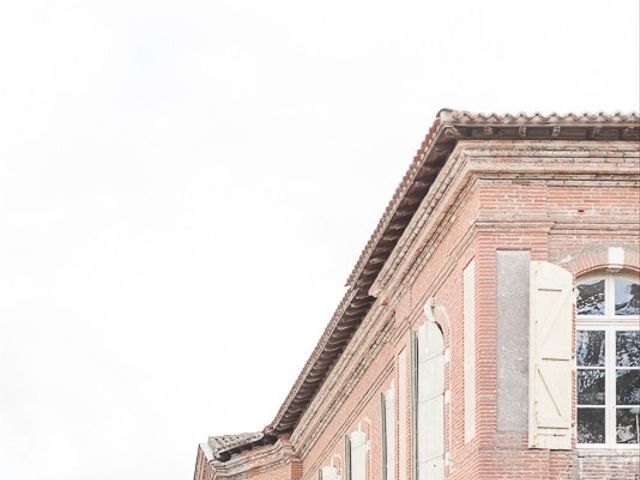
(449, 127)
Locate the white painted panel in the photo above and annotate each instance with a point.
(469, 293)
(403, 415)
(431, 372)
(423, 429)
(421, 335)
(432, 469)
(358, 456)
(391, 433)
(329, 473)
(435, 340)
(430, 415)
(433, 410)
(551, 307)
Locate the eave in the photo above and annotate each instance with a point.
(448, 128)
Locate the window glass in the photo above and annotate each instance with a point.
(590, 348)
(590, 299)
(627, 425)
(628, 348)
(591, 425)
(627, 384)
(627, 387)
(591, 387)
(627, 297)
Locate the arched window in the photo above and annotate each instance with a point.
(608, 360)
(429, 418)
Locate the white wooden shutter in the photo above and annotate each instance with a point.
(469, 299)
(430, 403)
(383, 418)
(413, 404)
(403, 414)
(390, 435)
(358, 455)
(551, 310)
(328, 473)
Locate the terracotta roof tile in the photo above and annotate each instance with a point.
(223, 444)
(540, 118)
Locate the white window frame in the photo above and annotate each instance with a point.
(610, 323)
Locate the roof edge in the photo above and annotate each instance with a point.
(448, 128)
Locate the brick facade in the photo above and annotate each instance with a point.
(561, 201)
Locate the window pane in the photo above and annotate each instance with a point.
(590, 348)
(591, 387)
(591, 425)
(627, 297)
(628, 348)
(590, 299)
(627, 387)
(627, 425)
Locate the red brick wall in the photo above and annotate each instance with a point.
(564, 202)
(600, 464)
(555, 217)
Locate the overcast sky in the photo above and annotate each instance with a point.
(186, 185)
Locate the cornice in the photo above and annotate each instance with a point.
(466, 164)
(343, 378)
(428, 217)
(315, 430)
(256, 460)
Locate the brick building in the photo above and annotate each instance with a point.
(491, 325)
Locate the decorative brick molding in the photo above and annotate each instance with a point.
(251, 463)
(598, 257)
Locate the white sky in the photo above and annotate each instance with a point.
(185, 186)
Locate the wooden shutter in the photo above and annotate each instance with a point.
(551, 310)
(390, 434)
(358, 455)
(403, 415)
(469, 298)
(430, 402)
(328, 473)
(347, 458)
(414, 405)
(383, 429)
